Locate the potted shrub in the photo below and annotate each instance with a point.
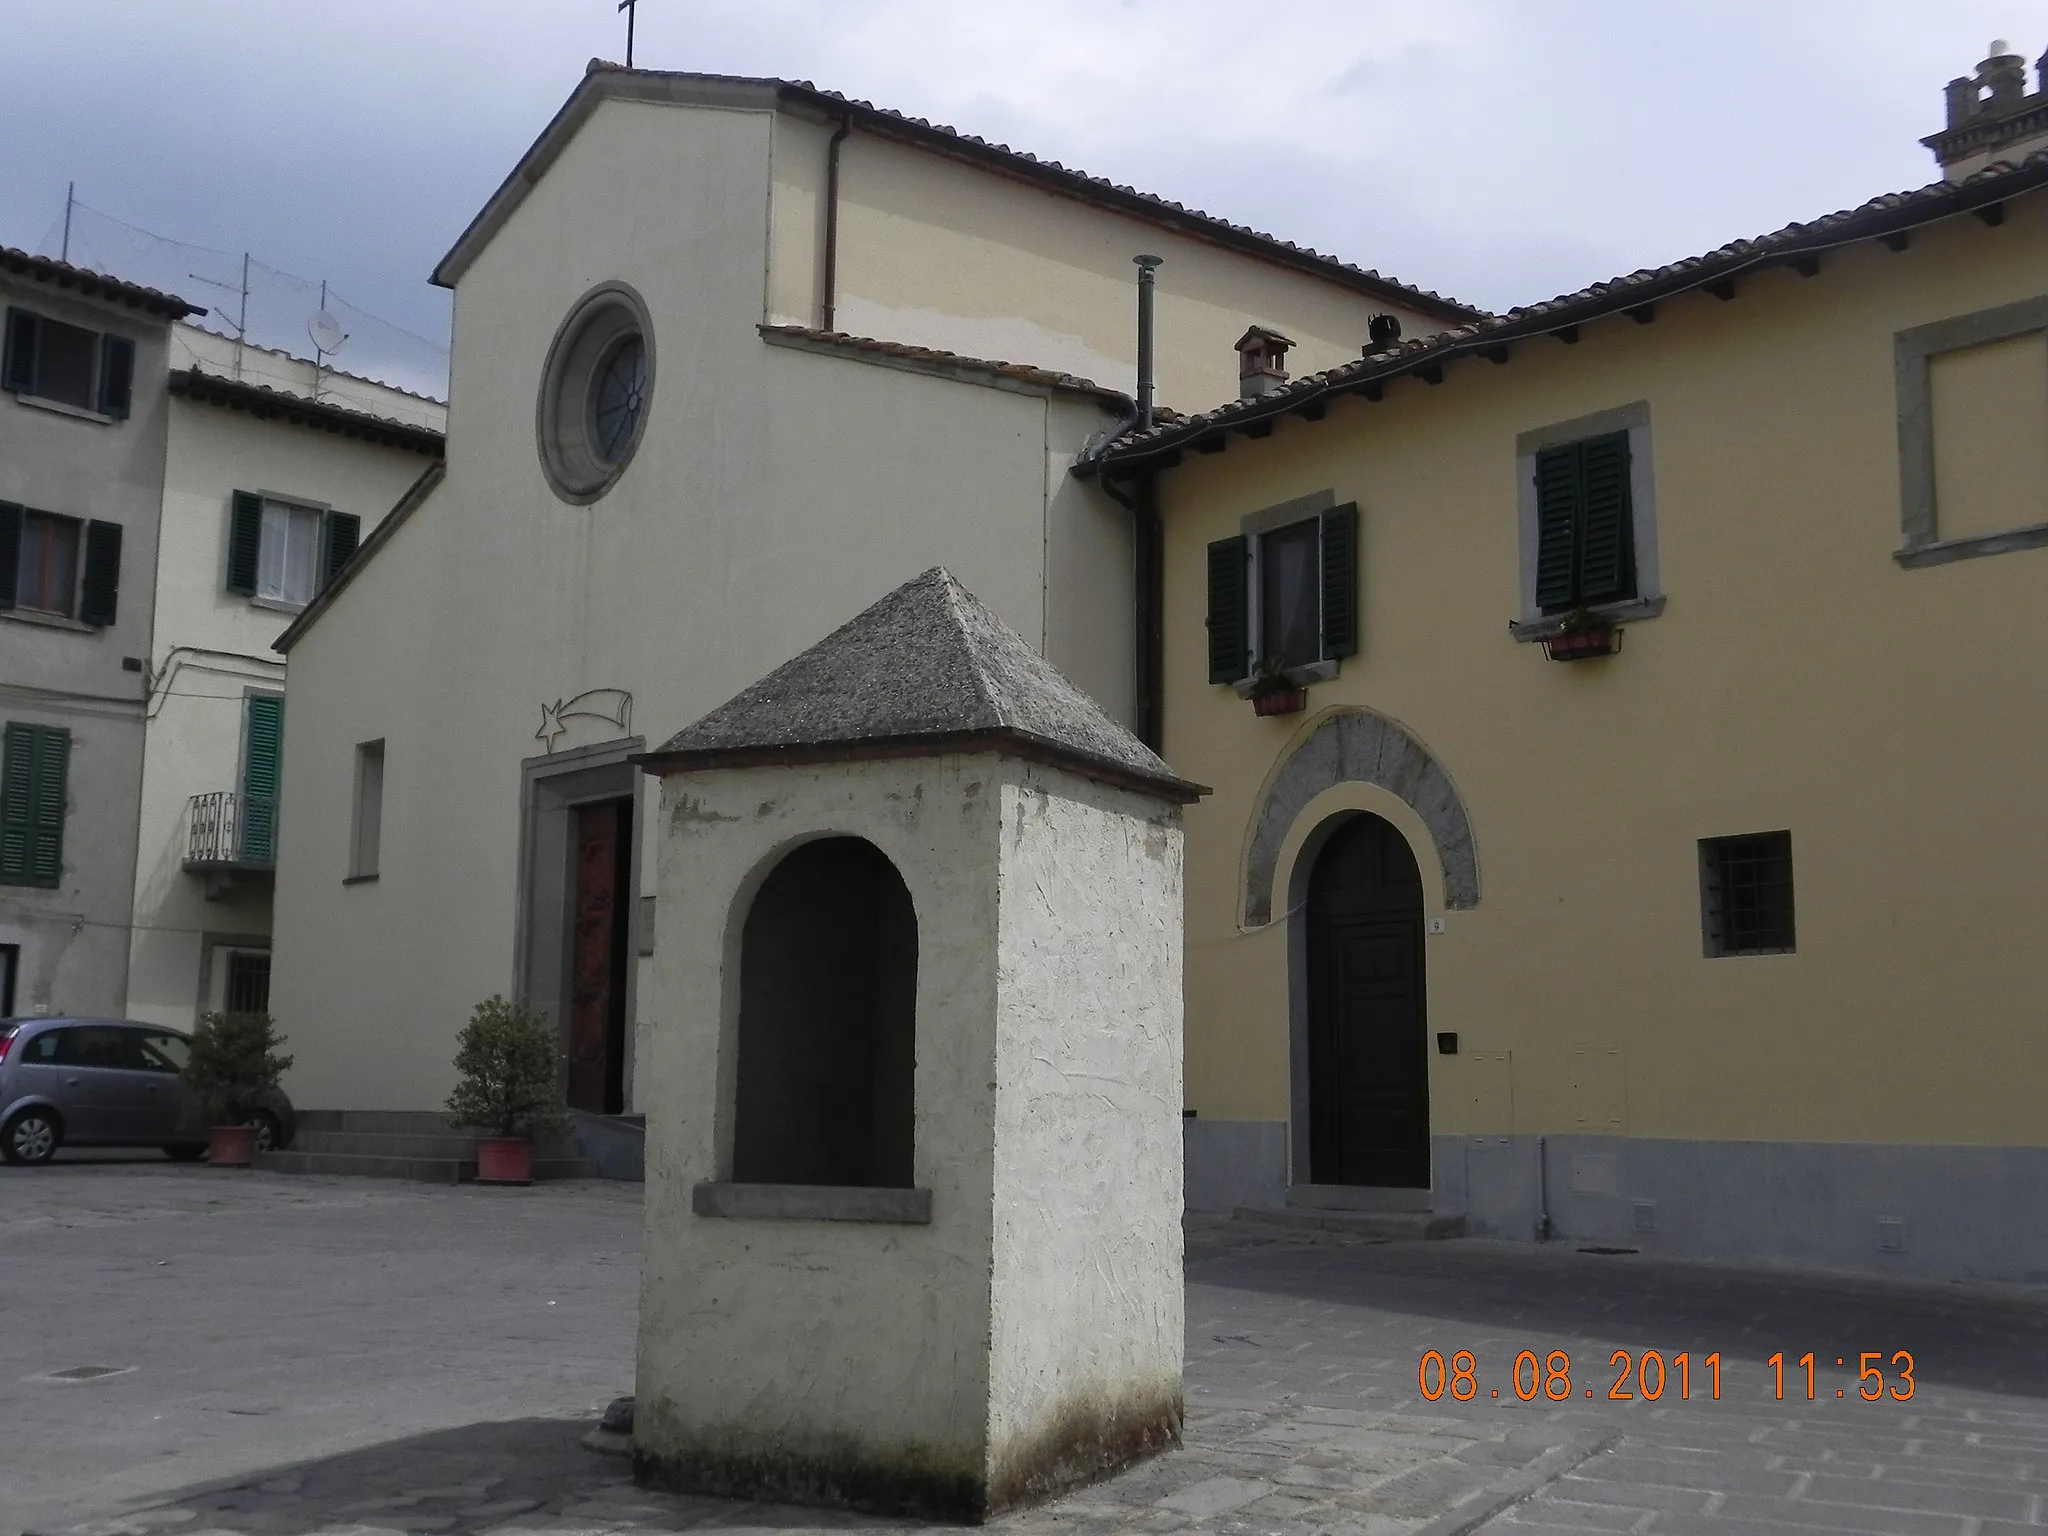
(511, 1088)
(1274, 692)
(231, 1076)
(1581, 635)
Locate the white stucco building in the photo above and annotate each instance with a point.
(724, 368)
(274, 470)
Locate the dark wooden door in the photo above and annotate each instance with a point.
(1368, 1068)
(599, 955)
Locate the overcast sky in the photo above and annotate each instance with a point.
(1500, 151)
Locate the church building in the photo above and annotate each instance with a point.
(732, 359)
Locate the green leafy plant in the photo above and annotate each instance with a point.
(510, 1063)
(1583, 621)
(1270, 677)
(234, 1066)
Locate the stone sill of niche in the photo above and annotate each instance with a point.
(49, 620)
(812, 1202)
(1552, 625)
(65, 408)
(1300, 677)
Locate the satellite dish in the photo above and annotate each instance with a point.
(326, 332)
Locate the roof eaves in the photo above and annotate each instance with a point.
(603, 79)
(1888, 215)
(265, 403)
(414, 497)
(95, 285)
(938, 363)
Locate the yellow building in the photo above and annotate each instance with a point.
(1723, 940)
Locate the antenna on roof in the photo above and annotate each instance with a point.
(632, 10)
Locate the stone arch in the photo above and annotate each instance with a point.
(1357, 746)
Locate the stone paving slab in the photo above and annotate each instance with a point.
(430, 1361)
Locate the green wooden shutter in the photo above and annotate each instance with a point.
(19, 371)
(10, 551)
(245, 542)
(1340, 581)
(1606, 532)
(117, 375)
(344, 530)
(262, 765)
(1229, 635)
(34, 762)
(100, 598)
(1557, 528)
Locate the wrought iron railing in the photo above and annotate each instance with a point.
(230, 828)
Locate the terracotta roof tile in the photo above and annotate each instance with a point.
(91, 284)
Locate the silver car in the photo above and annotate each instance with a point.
(105, 1083)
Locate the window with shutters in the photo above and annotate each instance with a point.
(59, 566)
(1285, 592)
(34, 762)
(284, 552)
(262, 768)
(1588, 528)
(48, 361)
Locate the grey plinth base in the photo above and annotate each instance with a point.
(915, 1481)
(812, 1202)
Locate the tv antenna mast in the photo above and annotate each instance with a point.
(632, 10)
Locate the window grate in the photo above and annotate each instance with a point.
(1746, 894)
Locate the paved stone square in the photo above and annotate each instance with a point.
(292, 1356)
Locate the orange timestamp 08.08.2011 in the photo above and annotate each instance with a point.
(1647, 1377)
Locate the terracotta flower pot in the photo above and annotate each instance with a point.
(231, 1146)
(502, 1160)
(1291, 701)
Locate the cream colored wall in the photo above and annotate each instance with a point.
(192, 347)
(774, 495)
(1799, 679)
(939, 253)
(211, 649)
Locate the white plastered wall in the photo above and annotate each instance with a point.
(809, 1339)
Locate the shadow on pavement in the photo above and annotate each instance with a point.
(451, 1482)
(1989, 1339)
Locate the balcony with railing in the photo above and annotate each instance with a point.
(230, 833)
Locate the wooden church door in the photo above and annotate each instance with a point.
(1368, 1066)
(600, 951)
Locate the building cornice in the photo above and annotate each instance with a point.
(266, 404)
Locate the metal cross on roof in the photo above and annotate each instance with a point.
(632, 10)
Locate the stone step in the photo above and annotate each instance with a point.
(376, 1122)
(449, 1144)
(426, 1170)
(1393, 1226)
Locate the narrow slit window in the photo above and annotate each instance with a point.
(367, 831)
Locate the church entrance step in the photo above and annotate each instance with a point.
(427, 1170)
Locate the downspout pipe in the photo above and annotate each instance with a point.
(831, 275)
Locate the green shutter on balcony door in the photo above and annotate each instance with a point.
(262, 767)
(34, 763)
(1340, 581)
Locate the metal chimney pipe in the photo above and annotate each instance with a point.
(1147, 266)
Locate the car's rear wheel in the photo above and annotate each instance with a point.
(269, 1134)
(186, 1152)
(31, 1136)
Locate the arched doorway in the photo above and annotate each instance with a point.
(828, 1022)
(1368, 1069)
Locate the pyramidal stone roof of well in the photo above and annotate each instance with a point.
(928, 669)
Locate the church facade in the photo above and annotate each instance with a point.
(731, 359)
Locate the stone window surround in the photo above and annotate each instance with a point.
(1300, 509)
(1633, 419)
(608, 311)
(280, 605)
(1913, 352)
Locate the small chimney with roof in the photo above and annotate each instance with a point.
(1991, 115)
(1261, 362)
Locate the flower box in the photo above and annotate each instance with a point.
(1285, 701)
(1582, 644)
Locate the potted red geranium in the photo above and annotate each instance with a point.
(510, 1088)
(1274, 692)
(1582, 635)
(231, 1076)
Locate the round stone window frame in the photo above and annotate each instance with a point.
(563, 425)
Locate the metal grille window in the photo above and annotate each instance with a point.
(248, 983)
(1746, 894)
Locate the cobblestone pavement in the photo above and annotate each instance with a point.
(394, 1404)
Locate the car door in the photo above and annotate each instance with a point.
(40, 1072)
(106, 1089)
(163, 1057)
